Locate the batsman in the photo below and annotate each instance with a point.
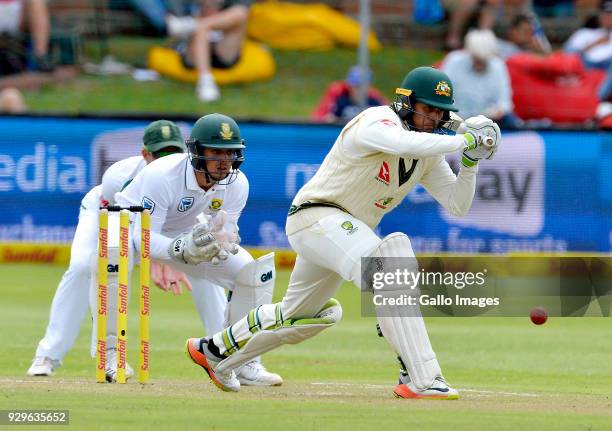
(379, 156)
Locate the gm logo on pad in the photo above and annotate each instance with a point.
(266, 276)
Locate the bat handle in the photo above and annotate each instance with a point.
(488, 142)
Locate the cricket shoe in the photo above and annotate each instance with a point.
(43, 366)
(439, 390)
(197, 349)
(111, 367)
(253, 373)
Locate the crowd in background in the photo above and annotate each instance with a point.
(211, 33)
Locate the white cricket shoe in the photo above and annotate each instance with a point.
(226, 381)
(253, 373)
(111, 367)
(439, 389)
(180, 26)
(43, 366)
(207, 90)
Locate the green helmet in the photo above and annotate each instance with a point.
(430, 86)
(215, 131)
(163, 135)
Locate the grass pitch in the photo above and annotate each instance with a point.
(511, 374)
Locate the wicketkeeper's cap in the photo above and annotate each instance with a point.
(162, 134)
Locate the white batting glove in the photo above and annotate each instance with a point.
(195, 247)
(482, 137)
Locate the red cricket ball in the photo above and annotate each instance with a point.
(539, 315)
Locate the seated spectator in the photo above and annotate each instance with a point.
(340, 101)
(11, 101)
(481, 80)
(520, 38)
(216, 40)
(594, 45)
(166, 15)
(12, 19)
(461, 13)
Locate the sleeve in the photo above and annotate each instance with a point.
(238, 197)
(386, 135)
(454, 193)
(151, 191)
(112, 182)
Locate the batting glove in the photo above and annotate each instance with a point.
(482, 138)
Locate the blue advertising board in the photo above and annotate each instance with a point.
(545, 191)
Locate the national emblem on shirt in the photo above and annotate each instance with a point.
(185, 203)
(215, 205)
(443, 89)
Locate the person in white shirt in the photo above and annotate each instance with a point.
(594, 45)
(481, 78)
(70, 302)
(195, 201)
(377, 159)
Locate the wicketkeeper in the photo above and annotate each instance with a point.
(195, 201)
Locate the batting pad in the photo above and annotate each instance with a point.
(254, 287)
(281, 332)
(406, 335)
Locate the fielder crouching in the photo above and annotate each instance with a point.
(195, 201)
(379, 156)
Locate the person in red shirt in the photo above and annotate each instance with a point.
(340, 101)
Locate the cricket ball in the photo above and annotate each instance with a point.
(539, 315)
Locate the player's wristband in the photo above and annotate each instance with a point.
(468, 162)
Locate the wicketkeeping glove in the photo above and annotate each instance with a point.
(224, 229)
(196, 246)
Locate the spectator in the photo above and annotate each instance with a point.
(166, 14)
(520, 38)
(11, 101)
(462, 11)
(216, 40)
(481, 79)
(340, 101)
(12, 20)
(594, 45)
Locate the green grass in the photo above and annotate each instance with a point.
(292, 94)
(511, 374)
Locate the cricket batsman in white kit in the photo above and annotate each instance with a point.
(70, 302)
(195, 201)
(376, 160)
